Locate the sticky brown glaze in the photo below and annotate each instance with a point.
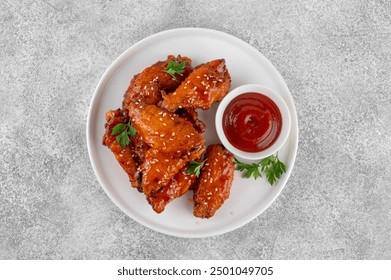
(208, 83)
(215, 181)
(145, 87)
(159, 168)
(125, 156)
(178, 186)
(164, 130)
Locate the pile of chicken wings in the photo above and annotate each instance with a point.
(163, 109)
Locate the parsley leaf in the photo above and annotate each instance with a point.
(118, 128)
(240, 165)
(132, 131)
(250, 169)
(174, 67)
(195, 167)
(123, 130)
(271, 166)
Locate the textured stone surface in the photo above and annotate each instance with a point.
(336, 59)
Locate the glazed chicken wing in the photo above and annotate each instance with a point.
(125, 156)
(145, 87)
(159, 168)
(207, 83)
(178, 186)
(164, 130)
(214, 184)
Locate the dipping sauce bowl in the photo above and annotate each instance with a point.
(253, 121)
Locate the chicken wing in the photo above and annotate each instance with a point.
(178, 186)
(164, 130)
(145, 87)
(125, 156)
(207, 83)
(214, 184)
(159, 168)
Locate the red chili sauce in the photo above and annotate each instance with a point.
(252, 122)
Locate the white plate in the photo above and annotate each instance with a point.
(249, 197)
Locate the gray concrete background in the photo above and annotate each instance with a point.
(336, 59)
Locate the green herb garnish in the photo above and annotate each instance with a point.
(251, 169)
(271, 166)
(195, 167)
(123, 130)
(174, 67)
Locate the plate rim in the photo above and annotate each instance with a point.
(93, 104)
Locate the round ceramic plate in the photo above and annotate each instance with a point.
(249, 197)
